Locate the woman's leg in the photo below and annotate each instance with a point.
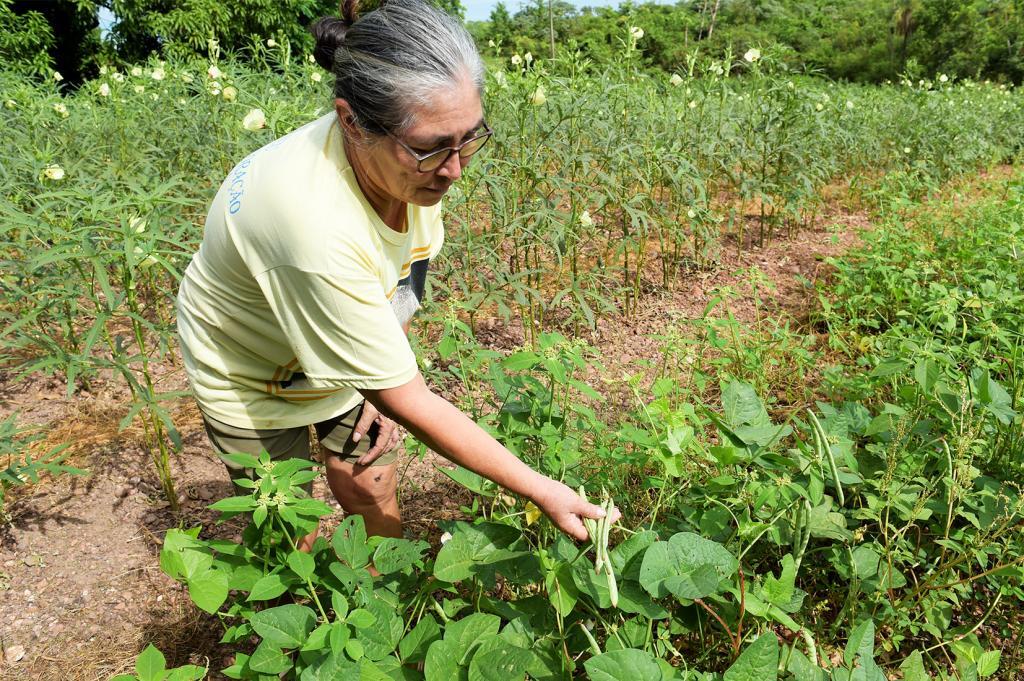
(369, 491)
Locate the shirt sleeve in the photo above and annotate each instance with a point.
(436, 233)
(342, 329)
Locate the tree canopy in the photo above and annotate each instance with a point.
(867, 41)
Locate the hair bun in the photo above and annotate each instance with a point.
(329, 33)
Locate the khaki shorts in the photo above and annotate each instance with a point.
(335, 434)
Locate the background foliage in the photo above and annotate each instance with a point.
(868, 41)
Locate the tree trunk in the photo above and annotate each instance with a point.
(714, 15)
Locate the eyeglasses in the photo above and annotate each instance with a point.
(433, 160)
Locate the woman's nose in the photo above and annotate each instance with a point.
(452, 167)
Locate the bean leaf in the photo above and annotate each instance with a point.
(686, 566)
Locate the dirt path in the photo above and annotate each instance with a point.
(81, 591)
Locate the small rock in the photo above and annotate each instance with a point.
(14, 654)
(149, 518)
(125, 491)
(206, 494)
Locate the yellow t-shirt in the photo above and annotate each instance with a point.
(298, 293)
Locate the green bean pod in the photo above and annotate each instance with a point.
(825, 449)
(613, 587)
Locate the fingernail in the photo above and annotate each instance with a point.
(356, 436)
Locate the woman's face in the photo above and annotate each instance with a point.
(451, 118)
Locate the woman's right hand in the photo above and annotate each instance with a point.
(566, 508)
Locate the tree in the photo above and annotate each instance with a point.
(501, 30)
(68, 42)
(25, 40)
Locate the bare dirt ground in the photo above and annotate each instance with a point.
(81, 591)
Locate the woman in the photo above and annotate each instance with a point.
(295, 309)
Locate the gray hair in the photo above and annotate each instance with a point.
(394, 59)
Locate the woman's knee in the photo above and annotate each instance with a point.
(362, 485)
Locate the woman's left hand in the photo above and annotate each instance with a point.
(387, 434)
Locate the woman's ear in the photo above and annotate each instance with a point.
(347, 118)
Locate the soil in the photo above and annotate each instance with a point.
(81, 591)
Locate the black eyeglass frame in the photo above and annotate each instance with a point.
(447, 151)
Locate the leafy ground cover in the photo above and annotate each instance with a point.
(901, 489)
(808, 498)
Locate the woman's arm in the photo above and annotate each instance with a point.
(442, 427)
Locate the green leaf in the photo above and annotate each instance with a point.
(189, 672)
(802, 668)
(687, 566)
(888, 368)
(318, 638)
(194, 562)
(524, 359)
(562, 590)
(269, 659)
(354, 648)
(150, 664)
(827, 524)
(988, 663)
(861, 643)
(471, 547)
(474, 482)
(592, 584)
(301, 564)
(865, 562)
(394, 555)
(631, 548)
(361, 618)
(331, 667)
(240, 667)
(926, 373)
(339, 604)
(271, 586)
(464, 634)
(209, 590)
(235, 504)
(242, 460)
(780, 591)
(628, 664)
(381, 638)
(505, 663)
(633, 599)
(758, 662)
(913, 668)
(371, 671)
(442, 661)
(349, 542)
(413, 648)
(742, 407)
(285, 626)
(339, 637)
